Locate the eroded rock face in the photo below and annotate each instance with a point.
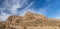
(14, 20)
(31, 21)
(28, 20)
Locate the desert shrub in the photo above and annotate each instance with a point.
(25, 28)
(2, 26)
(11, 27)
(17, 21)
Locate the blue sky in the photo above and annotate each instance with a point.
(49, 8)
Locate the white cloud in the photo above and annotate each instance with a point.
(12, 6)
(3, 17)
(8, 6)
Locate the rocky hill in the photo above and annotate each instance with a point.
(31, 21)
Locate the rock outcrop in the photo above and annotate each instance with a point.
(31, 21)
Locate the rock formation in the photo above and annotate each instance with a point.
(31, 21)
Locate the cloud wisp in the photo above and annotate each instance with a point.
(11, 7)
